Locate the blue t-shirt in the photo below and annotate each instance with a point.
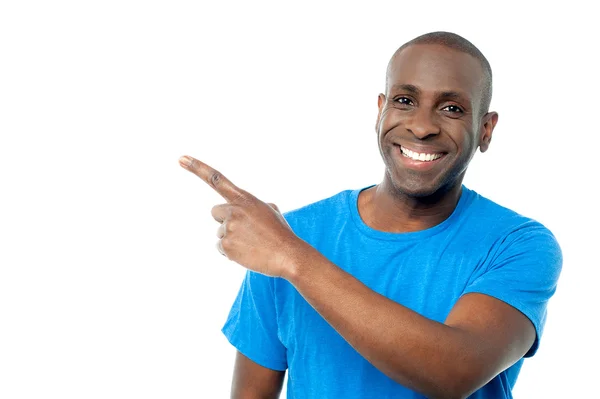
(482, 247)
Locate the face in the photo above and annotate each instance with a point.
(430, 123)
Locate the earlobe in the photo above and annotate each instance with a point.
(488, 124)
(484, 145)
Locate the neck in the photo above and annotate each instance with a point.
(384, 208)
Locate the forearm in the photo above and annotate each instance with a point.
(426, 356)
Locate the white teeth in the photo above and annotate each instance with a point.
(423, 157)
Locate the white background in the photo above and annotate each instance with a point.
(110, 284)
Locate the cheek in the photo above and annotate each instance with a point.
(460, 133)
(390, 118)
(467, 146)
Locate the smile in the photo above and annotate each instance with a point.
(420, 156)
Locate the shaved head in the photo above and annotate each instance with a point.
(459, 43)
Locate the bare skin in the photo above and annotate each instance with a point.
(253, 381)
(481, 336)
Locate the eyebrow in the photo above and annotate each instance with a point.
(406, 87)
(452, 95)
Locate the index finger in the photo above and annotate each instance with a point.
(213, 178)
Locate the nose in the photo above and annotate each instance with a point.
(422, 124)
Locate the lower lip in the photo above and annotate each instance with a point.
(417, 165)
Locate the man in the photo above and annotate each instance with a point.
(415, 287)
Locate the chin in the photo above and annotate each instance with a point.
(421, 189)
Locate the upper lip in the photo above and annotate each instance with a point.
(421, 150)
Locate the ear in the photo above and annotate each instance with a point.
(380, 105)
(488, 123)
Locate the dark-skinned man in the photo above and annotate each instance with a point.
(414, 287)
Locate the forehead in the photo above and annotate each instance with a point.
(436, 68)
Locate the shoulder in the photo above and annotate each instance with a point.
(523, 263)
(487, 214)
(511, 232)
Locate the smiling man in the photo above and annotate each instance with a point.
(414, 287)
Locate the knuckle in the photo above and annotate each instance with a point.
(215, 178)
(226, 243)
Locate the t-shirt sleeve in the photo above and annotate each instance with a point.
(251, 326)
(524, 274)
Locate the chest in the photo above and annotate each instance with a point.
(426, 278)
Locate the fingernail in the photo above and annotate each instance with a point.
(185, 160)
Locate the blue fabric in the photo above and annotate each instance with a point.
(482, 247)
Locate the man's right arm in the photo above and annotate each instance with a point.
(253, 381)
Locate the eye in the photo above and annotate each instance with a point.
(403, 100)
(452, 108)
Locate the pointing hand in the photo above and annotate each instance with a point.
(252, 233)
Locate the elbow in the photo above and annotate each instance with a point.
(460, 384)
(449, 392)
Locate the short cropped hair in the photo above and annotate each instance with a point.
(459, 43)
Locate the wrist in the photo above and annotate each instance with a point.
(297, 257)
